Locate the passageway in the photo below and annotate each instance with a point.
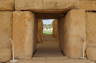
(49, 48)
(48, 45)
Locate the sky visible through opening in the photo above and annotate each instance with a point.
(48, 21)
(47, 26)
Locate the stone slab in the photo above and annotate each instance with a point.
(91, 31)
(44, 5)
(74, 33)
(5, 35)
(6, 4)
(23, 37)
(89, 5)
(91, 53)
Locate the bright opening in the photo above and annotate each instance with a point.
(47, 26)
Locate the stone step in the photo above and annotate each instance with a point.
(54, 60)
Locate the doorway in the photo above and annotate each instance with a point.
(49, 44)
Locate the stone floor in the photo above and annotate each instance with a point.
(48, 48)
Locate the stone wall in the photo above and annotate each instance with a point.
(55, 28)
(40, 30)
(73, 33)
(19, 28)
(23, 34)
(5, 35)
(91, 35)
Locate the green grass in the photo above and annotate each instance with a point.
(47, 33)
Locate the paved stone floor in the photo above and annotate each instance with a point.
(48, 48)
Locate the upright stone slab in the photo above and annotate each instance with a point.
(91, 34)
(91, 31)
(5, 35)
(23, 34)
(6, 4)
(55, 28)
(40, 30)
(74, 33)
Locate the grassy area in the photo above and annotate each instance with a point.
(47, 33)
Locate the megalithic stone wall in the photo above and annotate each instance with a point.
(44, 5)
(89, 5)
(47, 5)
(5, 35)
(74, 33)
(23, 30)
(7, 4)
(91, 35)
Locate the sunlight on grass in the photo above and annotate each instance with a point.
(47, 33)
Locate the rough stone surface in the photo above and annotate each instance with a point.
(6, 4)
(23, 38)
(44, 4)
(91, 53)
(40, 30)
(91, 34)
(54, 60)
(73, 33)
(91, 31)
(87, 4)
(5, 35)
(55, 28)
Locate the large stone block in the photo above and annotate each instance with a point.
(74, 33)
(87, 4)
(44, 5)
(5, 35)
(23, 37)
(91, 53)
(91, 34)
(59, 4)
(5, 54)
(28, 4)
(6, 4)
(91, 31)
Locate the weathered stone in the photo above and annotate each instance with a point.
(59, 4)
(54, 60)
(91, 53)
(55, 28)
(5, 35)
(5, 54)
(28, 4)
(23, 37)
(73, 30)
(91, 34)
(44, 5)
(6, 4)
(40, 30)
(91, 31)
(87, 4)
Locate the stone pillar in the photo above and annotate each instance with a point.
(23, 34)
(55, 28)
(73, 34)
(40, 30)
(91, 36)
(5, 35)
